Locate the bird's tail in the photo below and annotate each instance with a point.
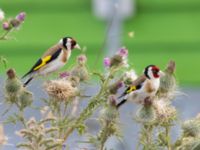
(121, 103)
(121, 96)
(28, 73)
(28, 81)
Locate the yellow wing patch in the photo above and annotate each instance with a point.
(130, 89)
(44, 61)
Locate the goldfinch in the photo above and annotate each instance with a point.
(144, 89)
(53, 59)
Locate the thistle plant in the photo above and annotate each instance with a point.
(61, 115)
(10, 24)
(38, 135)
(109, 121)
(16, 95)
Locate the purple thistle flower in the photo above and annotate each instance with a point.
(64, 74)
(107, 62)
(123, 52)
(6, 25)
(82, 59)
(21, 16)
(120, 84)
(112, 100)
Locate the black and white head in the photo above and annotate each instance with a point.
(153, 72)
(69, 43)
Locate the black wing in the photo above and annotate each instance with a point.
(130, 89)
(40, 61)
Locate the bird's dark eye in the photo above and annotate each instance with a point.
(73, 43)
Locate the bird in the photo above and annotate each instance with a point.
(144, 88)
(53, 59)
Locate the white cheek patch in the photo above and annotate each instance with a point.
(150, 73)
(68, 44)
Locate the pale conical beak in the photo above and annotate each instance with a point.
(161, 73)
(77, 47)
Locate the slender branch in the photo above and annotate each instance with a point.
(94, 103)
(3, 37)
(168, 140)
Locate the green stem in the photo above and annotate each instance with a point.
(95, 102)
(167, 132)
(21, 114)
(3, 37)
(147, 135)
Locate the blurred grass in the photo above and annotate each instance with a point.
(163, 30)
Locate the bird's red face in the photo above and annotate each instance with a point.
(155, 71)
(152, 72)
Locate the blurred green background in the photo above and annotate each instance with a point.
(163, 30)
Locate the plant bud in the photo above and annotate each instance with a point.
(25, 99)
(146, 114)
(15, 23)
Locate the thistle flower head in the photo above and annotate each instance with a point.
(123, 52)
(6, 25)
(25, 99)
(110, 112)
(191, 128)
(165, 113)
(15, 23)
(64, 75)
(118, 60)
(146, 114)
(2, 16)
(112, 100)
(13, 86)
(129, 77)
(107, 62)
(21, 16)
(80, 72)
(115, 87)
(82, 59)
(168, 85)
(60, 89)
(189, 143)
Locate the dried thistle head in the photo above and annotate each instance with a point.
(74, 80)
(82, 59)
(146, 114)
(60, 89)
(165, 113)
(129, 77)
(191, 128)
(113, 88)
(80, 72)
(189, 143)
(168, 85)
(120, 58)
